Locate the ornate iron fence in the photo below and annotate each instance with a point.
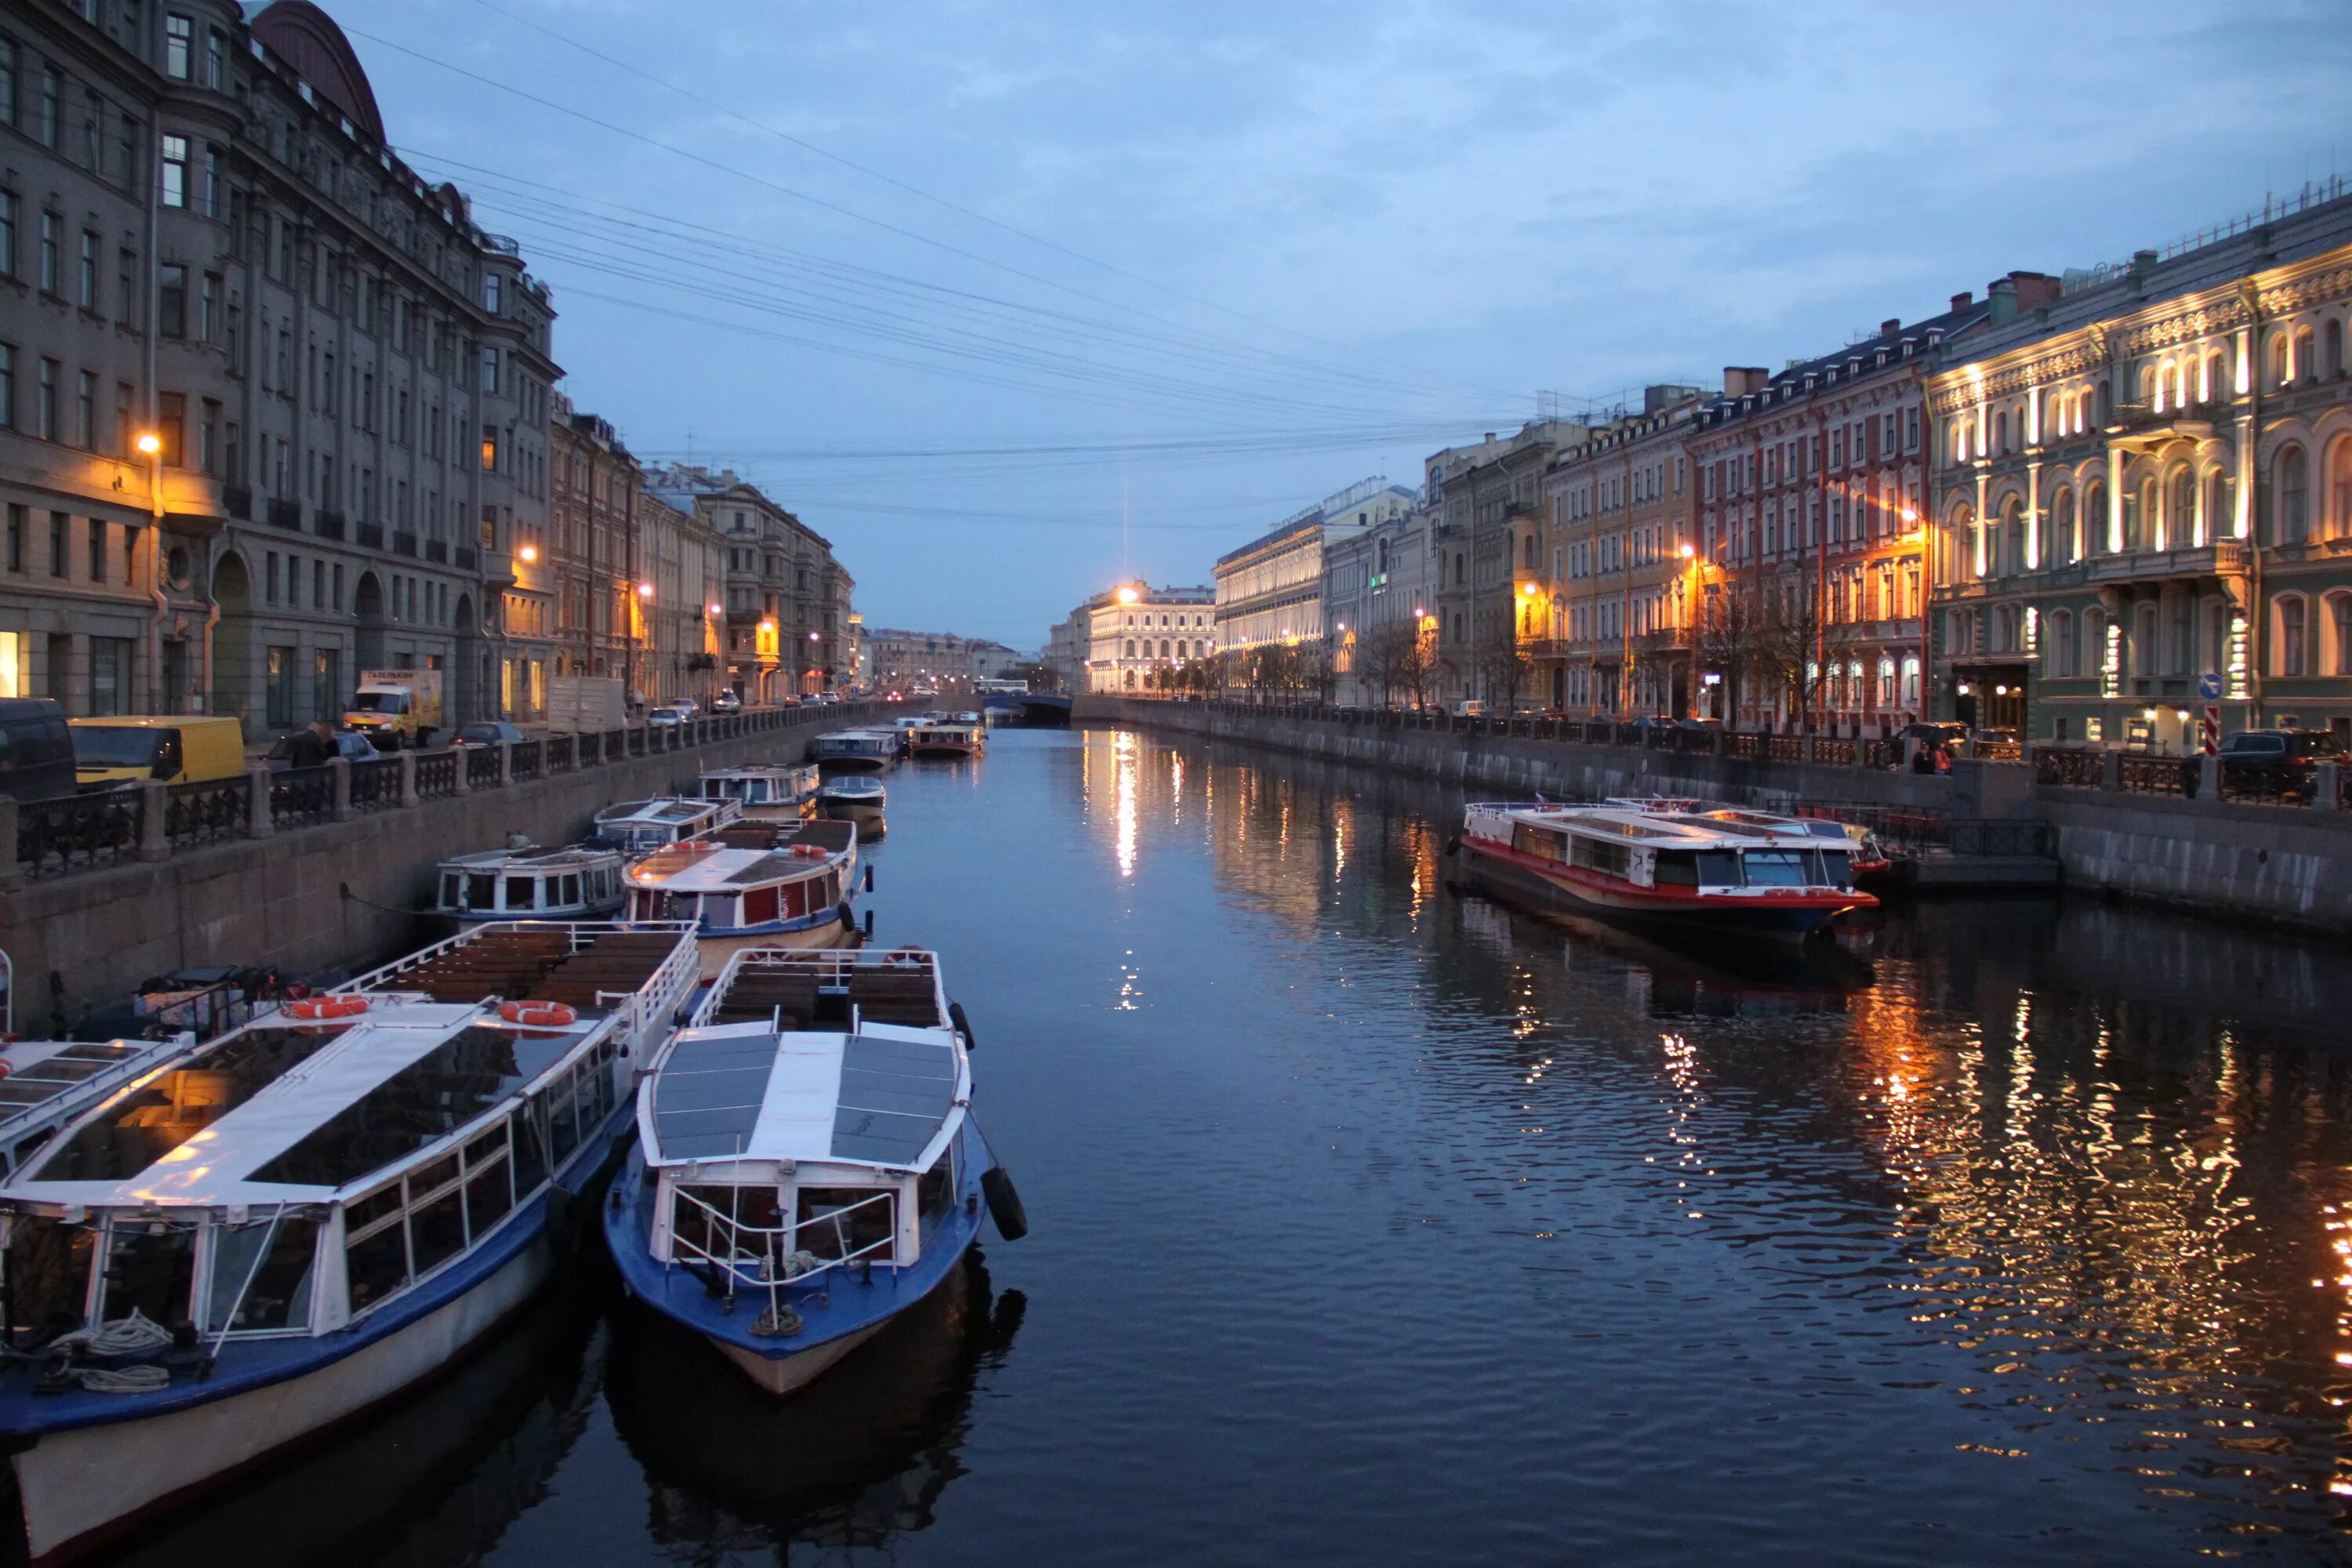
(561, 758)
(2068, 768)
(1833, 749)
(77, 832)
(436, 775)
(2152, 775)
(1784, 748)
(208, 811)
(527, 760)
(375, 785)
(481, 767)
(301, 795)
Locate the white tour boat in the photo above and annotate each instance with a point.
(945, 738)
(258, 1238)
(635, 826)
(854, 797)
(1662, 868)
(573, 883)
(806, 1165)
(854, 750)
(781, 791)
(763, 886)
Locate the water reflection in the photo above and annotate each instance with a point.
(857, 1459)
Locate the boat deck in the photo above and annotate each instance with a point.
(546, 965)
(802, 996)
(833, 837)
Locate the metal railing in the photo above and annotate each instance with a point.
(207, 813)
(771, 1263)
(481, 767)
(301, 795)
(2068, 768)
(77, 832)
(2151, 775)
(436, 775)
(560, 753)
(376, 785)
(527, 760)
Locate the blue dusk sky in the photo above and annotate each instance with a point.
(1012, 299)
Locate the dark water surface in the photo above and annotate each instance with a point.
(1373, 1223)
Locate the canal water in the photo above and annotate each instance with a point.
(1372, 1223)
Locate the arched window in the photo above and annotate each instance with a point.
(2000, 433)
(2012, 537)
(1962, 544)
(2306, 363)
(1529, 554)
(1381, 556)
(2061, 529)
(2339, 488)
(2139, 515)
(1130, 648)
(2105, 398)
(2181, 509)
(2221, 516)
(2291, 649)
(2278, 359)
(2147, 385)
(2290, 496)
(2339, 620)
(1911, 680)
(2332, 362)
(2059, 647)
(1457, 571)
(2217, 380)
(1163, 647)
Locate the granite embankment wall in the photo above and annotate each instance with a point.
(322, 897)
(2284, 865)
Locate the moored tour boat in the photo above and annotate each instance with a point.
(573, 883)
(854, 750)
(782, 792)
(944, 738)
(265, 1235)
(758, 886)
(635, 826)
(1691, 872)
(854, 797)
(806, 1165)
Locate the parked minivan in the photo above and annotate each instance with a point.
(37, 753)
(111, 753)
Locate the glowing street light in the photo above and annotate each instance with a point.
(1128, 596)
(1686, 552)
(644, 590)
(528, 554)
(715, 612)
(148, 443)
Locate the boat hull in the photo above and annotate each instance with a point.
(789, 1375)
(940, 749)
(1497, 871)
(853, 763)
(865, 816)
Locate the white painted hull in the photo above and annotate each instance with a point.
(863, 816)
(780, 811)
(76, 1484)
(792, 1373)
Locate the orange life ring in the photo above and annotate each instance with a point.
(327, 1007)
(540, 1014)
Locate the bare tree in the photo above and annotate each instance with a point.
(1507, 671)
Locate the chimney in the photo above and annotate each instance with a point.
(1738, 380)
(1490, 437)
(2002, 295)
(1889, 327)
(1962, 301)
(2036, 290)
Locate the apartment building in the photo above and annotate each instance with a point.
(1134, 630)
(788, 601)
(1270, 591)
(1488, 504)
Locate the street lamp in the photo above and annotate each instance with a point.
(715, 612)
(528, 554)
(644, 590)
(1128, 596)
(148, 443)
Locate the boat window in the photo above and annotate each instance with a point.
(562, 1128)
(571, 887)
(375, 1256)
(1718, 867)
(452, 885)
(150, 1268)
(482, 891)
(843, 1222)
(718, 910)
(1776, 867)
(436, 1230)
(488, 1195)
(1595, 855)
(794, 896)
(148, 1123)
(1837, 868)
(520, 893)
(934, 1191)
(278, 1295)
(1675, 869)
(759, 906)
(529, 1154)
(450, 1085)
(1539, 841)
(48, 1278)
(695, 1233)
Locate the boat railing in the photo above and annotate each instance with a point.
(581, 933)
(770, 1263)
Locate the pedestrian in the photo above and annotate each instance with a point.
(311, 746)
(1943, 759)
(1922, 757)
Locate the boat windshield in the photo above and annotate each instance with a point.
(1779, 868)
(150, 1121)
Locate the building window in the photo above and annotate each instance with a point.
(17, 524)
(176, 171)
(8, 387)
(97, 539)
(86, 273)
(2291, 638)
(170, 422)
(86, 411)
(45, 411)
(489, 449)
(60, 524)
(110, 676)
(171, 308)
(46, 128)
(490, 370)
(2291, 497)
(179, 46)
(50, 223)
(278, 687)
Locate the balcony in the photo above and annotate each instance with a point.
(2139, 425)
(404, 544)
(238, 501)
(497, 568)
(370, 536)
(285, 514)
(2222, 558)
(327, 524)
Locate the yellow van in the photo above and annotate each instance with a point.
(182, 750)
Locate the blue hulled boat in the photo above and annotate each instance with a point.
(806, 1165)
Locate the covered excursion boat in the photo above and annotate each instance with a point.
(945, 738)
(854, 750)
(262, 1236)
(806, 1165)
(1692, 871)
(635, 826)
(781, 791)
(854, 797)
(530, 883)
(755, 886)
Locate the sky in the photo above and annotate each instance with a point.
(1014, 299)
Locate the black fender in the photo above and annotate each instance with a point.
(1003, 1204)
(962, 1024)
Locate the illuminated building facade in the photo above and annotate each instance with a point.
(2147, 481)
(1134, 630)
(1379, 588)
(1270, 591)
(1487, 501)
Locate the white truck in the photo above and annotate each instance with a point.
(579, 703)
(397, 708)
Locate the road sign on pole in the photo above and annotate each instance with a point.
(2209, 686)
(2208, 733)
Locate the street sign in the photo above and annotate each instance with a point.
(2209, 686)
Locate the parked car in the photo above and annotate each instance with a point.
(37, 748)
(666, 717)
(725, 702)
(2280, 761)
(111, 753)
(1468, 708)
(350, 746)
(487, 732)
(1711, 726)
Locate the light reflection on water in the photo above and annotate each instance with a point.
(1388, 1225)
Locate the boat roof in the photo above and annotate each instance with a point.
(533, 859)
(702, 865)
(40, 1073)
(583, 964)
(667, 809)
(852, 784)
(1663, 830)
(882, 1096)
(857, 735)
(283, 1111)
(756, 770)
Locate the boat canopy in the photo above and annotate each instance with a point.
(883, 1095)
